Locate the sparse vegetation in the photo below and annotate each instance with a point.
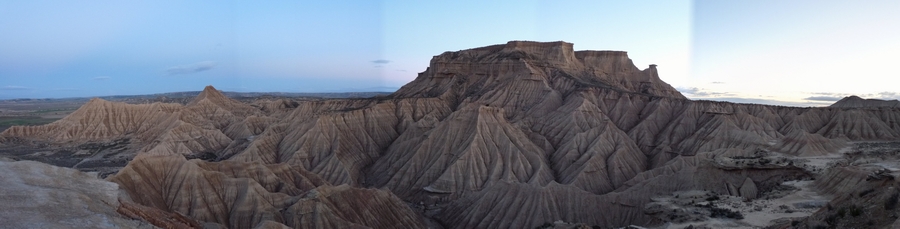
(855, 211)
(724, 213)
(545, 225)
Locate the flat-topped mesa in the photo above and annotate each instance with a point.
(557, 53)
(477, 71)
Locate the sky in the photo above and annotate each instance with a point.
(799, 53)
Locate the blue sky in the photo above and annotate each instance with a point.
(798, 52)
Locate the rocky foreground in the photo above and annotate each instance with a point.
(517, 135)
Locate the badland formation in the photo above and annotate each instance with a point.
(517, 135)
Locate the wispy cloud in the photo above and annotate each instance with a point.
(14, 88)
(100, 78)
(717, 82)
(381, 61)
(191, 68)
(823, 98)
(886, 95)
(687, 90)
(826, 93)
(400, 70)
(700, 92)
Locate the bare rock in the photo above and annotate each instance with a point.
(245, 195)
(37, 195)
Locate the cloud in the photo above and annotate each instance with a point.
(191, 68)
(823, 98)
(14, 88)
(700, 92)
(381, 61)
(827, 93)
(400, 70)
(100, 78)
(887, 95)
(688, 90)
(717, 82)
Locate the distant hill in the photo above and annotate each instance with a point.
(857, 102)
(185, 96)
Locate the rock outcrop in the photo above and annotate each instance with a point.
(38, 195)
(512, 135)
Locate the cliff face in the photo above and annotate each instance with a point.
(533, 127)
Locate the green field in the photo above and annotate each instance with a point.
(55, 110)
(6, 122)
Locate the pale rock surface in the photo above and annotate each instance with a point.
(37, 195)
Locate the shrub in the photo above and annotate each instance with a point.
(725, 213)
(545, 225)
(855, 211)
(891, 202)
